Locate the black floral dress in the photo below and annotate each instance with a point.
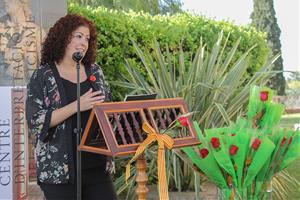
(45, 94)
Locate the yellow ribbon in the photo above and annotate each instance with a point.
(162, 140)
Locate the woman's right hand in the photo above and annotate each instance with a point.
(87, 101)
(90, 98)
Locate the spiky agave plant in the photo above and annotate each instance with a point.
(215, 87)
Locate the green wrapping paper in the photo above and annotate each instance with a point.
(278, 138)
(260, 157)
(221, 154)
(241, 138)
(250, 151)
(273, 113)
(207, 165)
(260, 106)
(256, 104)
(294, 151)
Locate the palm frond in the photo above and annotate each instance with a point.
(214, 86)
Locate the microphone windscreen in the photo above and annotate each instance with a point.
(77, 56)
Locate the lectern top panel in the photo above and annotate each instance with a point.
(115, 128)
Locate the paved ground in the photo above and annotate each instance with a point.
(34, 192)
(209, 192)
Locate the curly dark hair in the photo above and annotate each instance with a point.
(59, 36)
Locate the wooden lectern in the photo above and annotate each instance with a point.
(115, 129)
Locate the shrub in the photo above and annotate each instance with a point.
(118, 28)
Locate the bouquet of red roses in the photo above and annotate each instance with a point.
(242, 159)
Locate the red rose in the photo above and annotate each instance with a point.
(233, 134)
(184, 121)
(233, 150)
(264, 95)
(215, 142)
(203, 152)
(256, 144)
(283, 141)
(290, 140)
(92, 78)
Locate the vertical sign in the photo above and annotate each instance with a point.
(6, 166)
(13, 144)
(19, 143)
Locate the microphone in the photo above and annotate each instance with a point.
(77, 56)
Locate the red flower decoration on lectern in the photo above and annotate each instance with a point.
(92, 78)
(255, 145)
(215, 142)
(233, 150)
(184, 121)
(203, 152)
(264, 95)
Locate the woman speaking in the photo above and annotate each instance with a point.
(51, 111)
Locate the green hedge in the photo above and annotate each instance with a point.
(116, 28)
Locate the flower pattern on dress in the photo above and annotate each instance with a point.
(51, 148)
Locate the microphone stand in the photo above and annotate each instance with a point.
(78, 134)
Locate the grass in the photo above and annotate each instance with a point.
(294, 169)
(288, 121)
